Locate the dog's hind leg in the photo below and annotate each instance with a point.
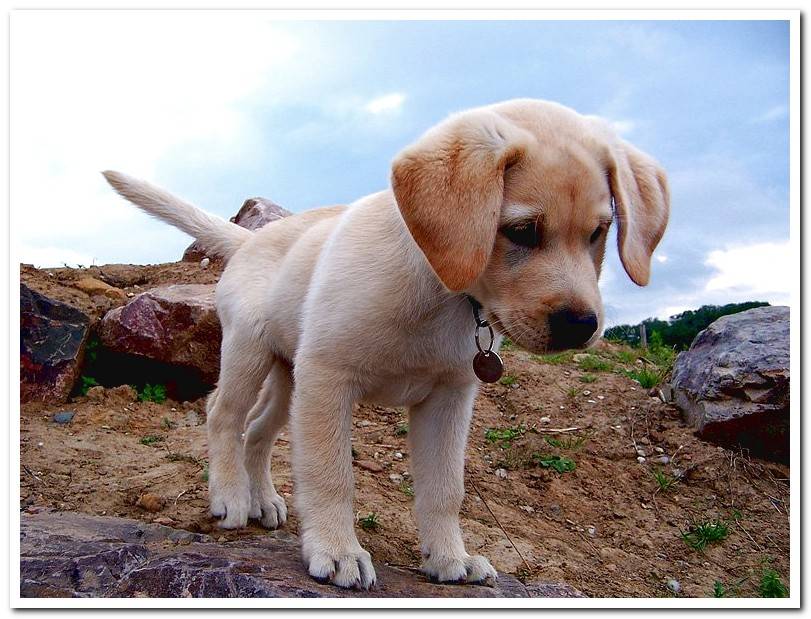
(265, 421)
(244, 364)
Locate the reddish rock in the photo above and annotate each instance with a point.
(174, 324)
(255, 213)
(52, 340)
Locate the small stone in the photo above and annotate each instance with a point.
(545, 419)
(364, 423)
(586, 392)
(527, 508)
(663, 460)
(674, 585)
(633, 389)
(398, 455)
(562, 407)
(639, 452)
(601, 397)
(150, 502)
(40, 444)
(591, 401)
(130, 294)
(592, 531)
(395, 478)
(369, 465)
(659, 450)
(204, 263)
(640, 459)
(62, 418)
(501, 473)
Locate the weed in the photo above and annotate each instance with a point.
(566, 442)
(176, 457)
(554, 359)
(205, 472)
(558, 463)
(700, 535)
(508, 380)
(91, 349)
(370, 522)
(401, 429)
(153, 393)
(625, 356)
(87, 383)
(572, 392)
(504, 435)
(407, 489)
(593, 363)
(507, 344)
(663, 480)
(167, 424)
(588, 378)
(718, 590)
(646, 377)
(151, 440)
(771, 586)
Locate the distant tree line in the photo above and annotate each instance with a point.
(678, 331)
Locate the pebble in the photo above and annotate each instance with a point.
(601, 397)
(130, 294)
(659, 450)
(562, 407)
(397, 479)
(545, 419)
(369, 465)
(528, 508)
(640, 459)
(587, 392)
(204, 263)
(501, 473)
(591, 401)
(40, 444)
(364, 423)
(398, 455)
(150, 502)
(663, 460)
(63, 417)
(592, 531)
(674, 585)
(639, 452)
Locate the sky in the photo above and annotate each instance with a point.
(218, 107)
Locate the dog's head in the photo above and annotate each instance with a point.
(512, 203)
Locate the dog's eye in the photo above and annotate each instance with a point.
(525, 235)
(595, 236)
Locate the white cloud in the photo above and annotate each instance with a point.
(763, 269)
(387, 103)
(120, 89)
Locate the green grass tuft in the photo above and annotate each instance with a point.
(588, 378)
(702, 534)
(153, 393)
(771, 586)
(151, 440)
(87, 383)
(593, 363)
(557, 463)
(370, 522)
(646, 377)
(401, 429)
(663, 480)
(508, 380)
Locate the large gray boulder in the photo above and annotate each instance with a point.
(77, 555)
(733, 383)
(255, 213)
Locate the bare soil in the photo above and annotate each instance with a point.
(606, 527)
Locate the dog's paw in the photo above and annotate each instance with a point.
(464, 569)
(351, 569)
(231, 506)
(269, 508)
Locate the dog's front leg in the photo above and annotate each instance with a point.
(438, 429)
(321, 422)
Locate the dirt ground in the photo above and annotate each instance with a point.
(606, 527)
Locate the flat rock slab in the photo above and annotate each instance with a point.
(174, 324)
(66, 554)
(52, 339)
(733, 383)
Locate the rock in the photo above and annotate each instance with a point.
(93, 286)
(545, 419)
(674, 585)
(255, 213)
(52, 340)
(640, 459)
(659, 450)
(95, 394)
(150, 502)
(76, 555)
(63, 417)
(733, 382)
(527, 508)
(398, 455)
(204, 263)
(369, 465)
(174, 324)
(395, 478)
(121, 393)
(663, 460)
(501, 473)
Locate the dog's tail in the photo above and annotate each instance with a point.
(215, 234)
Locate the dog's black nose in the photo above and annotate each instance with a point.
(568, 329)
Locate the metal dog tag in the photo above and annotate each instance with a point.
(487, 366)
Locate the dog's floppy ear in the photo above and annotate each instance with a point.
(642, 201)
(449, 187)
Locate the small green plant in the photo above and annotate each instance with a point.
(700, 535)
(771, 586)
(407, 489)
(646, 377)
(504, 435)
(370, 522)
(663, 480)
(554, 359)
(167, 424)
(567, 442)
(91, 349)
(153, 393)
(572, 392)
(204, 474)
(588, 378)
(508, 380)
(625, 356)
(151, 440)
(401, 429)
(507, 344)
(87, 383)
(593, 363)
(718, 590)
(560, 464)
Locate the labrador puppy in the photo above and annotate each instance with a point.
(508, 205)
